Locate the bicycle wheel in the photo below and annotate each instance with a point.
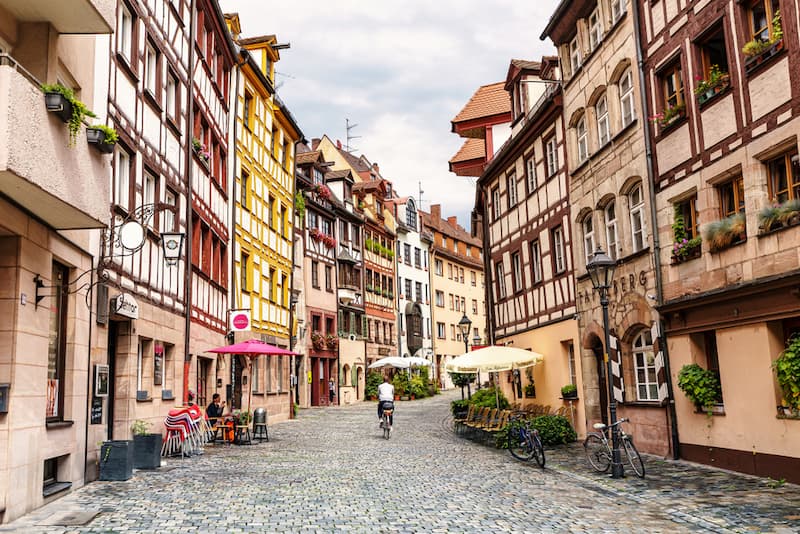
(538, 449)
(597, 452)
(520, 446)
(386, 427)
(634, 458)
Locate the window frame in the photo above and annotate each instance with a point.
(611, 227)
(643, 358)
(790, 161)
(736, 186)
(618, 9)
(501, 282)
(626, 101)
(530, 173)
(574, 50)
(517, 281)
(582, 138)
(57, 340)
(589, 242)
(769, 14)
(121, 199)
(511, 187)
(672, 87)
(688, 210)
(551, 155)
(595, 28)
(603, 126)
(536, 261)
(559, 258)
(496, 202)
(636, 211)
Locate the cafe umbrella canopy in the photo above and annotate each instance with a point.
(494, 359)
(251, 348)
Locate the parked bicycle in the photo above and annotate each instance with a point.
(524, 442)
(598, 449)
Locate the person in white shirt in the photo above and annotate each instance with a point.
(386, 395)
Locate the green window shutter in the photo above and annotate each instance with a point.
(352, 322)
(340, 321)
(364, 328)
(354, 376)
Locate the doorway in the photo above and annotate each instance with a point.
(203, 370)
(597, 349)
(113, 330)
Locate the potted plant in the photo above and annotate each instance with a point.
(146, 446)
(769, 217)
(318, 340)
(787, 369)
(726, 232)
(530, 390)
(700, 385)
(116, 460)
(201, 150)
(102, 137)
(758, 49)
(717, 81)
(570, 391)
(670, 115)
(683, 249)
(62, 102)
(332, 341)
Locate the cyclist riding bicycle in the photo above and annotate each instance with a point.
(386, 395)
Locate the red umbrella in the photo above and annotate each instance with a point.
(252, 347)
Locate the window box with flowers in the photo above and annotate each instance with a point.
(777, 216)
(318, 340)
(717, 82)
(684, 248)
(201, 150)
(322, 191)
(670, 116)
(329, 241)
(726, 232)
(765, 45)
(332, 341)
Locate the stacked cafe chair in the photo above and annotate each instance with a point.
(187, 431)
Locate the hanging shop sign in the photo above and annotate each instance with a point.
(239, 320)
(125, 305)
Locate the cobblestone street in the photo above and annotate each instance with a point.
(330, 470)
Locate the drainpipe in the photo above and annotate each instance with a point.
(187, 277)
(294, 396)
(89, 380)
(648, 145)
(488, 273)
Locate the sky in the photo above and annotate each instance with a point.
(400, 71)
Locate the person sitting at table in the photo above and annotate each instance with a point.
(214, 410)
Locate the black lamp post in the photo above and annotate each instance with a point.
(465, 325)
(601, 270)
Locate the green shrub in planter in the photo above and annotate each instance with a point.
(374, 379)
(701, 386)
(485, 398)
(554, 429)
(459, 407)
(570, 391)
(146, 446)
(787, 368)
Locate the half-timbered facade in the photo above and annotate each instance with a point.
(524, 204)
(723, 84)
(212, 60)
(148, 106)
(611, 205)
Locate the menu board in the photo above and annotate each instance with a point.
(97, 411)
(158, 365)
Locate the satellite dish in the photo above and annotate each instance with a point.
(131, 235)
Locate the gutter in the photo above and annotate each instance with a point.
(187, 275)
(648, 146)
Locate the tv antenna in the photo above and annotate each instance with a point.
(420, 195)
(349, 127)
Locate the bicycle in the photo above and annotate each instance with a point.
(524, 442)
(386, 425)
(598, 449)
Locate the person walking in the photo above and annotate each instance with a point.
(331, 389)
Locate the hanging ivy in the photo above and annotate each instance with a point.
(300, 204)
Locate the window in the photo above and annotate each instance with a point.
(617, 9)
(583, 139)
(408, 289)
(626, 98)
(688, 211)
(589, 244)
(595, 29)
(501, 281)
(125, 21)
(706, 342)
(440, 299)
(418, 291)
(645, 367)
(551, 155)
(271, 212)
(601, 111)
(440, 332)
(122, 178)
(474, 307)
(149, 193)
(247, 110)
(610, 216)
(461, 274)
(151, 70)
(638, 230)
(57, 342)
(574, 55)
(784, 177)
(573, 372)
(254, 372)
(463, 304)
(761, 15)
(731, 196)
(558, 250)
(169, 218)
(282, 219)
(530, 170)
(516, 265)
(244, 268)
(417, 257)
(329, 278)
(473, 280)
(452, 306)
(712, 53)
(245, 190)
(411, 215)
(511, 184)
(452, 332)
(270, 285)
(344, 231)
(496, 202)
(407, 253)
(172, 96)
(536, 262)
(672, 86)
(439, 266)
(450, 271)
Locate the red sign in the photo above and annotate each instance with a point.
(240, 320)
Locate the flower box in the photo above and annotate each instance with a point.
(59, 105)
(725, 233)
(100, 140)
(752, 62)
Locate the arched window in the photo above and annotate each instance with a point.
(583, 139)
(644, 364)
(411, 214)
(601, 112)
(588, 238)
(626, 98)
(638, 229)
(610, 215)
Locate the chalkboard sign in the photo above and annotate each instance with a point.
(158, 365)
(97, 411)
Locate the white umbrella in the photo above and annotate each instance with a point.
(390, 361)
(416, 360)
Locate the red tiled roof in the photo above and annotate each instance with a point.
(488, 100)
(308, 157)
(471, 149)
(444, 227)
(525, 64)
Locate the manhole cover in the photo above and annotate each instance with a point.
(70, 519)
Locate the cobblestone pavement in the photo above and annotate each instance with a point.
(331, 471)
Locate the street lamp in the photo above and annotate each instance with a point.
(601, 270)
(465, 325)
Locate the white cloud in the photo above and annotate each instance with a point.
(401, 71)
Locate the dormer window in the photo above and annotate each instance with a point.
(317, 176)
(574, 55)
(411, 215)
(595, 29)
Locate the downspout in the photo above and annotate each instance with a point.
(233, 293)
(89, 379)
(187, 275)
(488, 271)
(648, 146)
(293, 395)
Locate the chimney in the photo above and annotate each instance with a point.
(453, 220)
(376, 168)
(315, 143)
(338, 144)
(436, 211)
